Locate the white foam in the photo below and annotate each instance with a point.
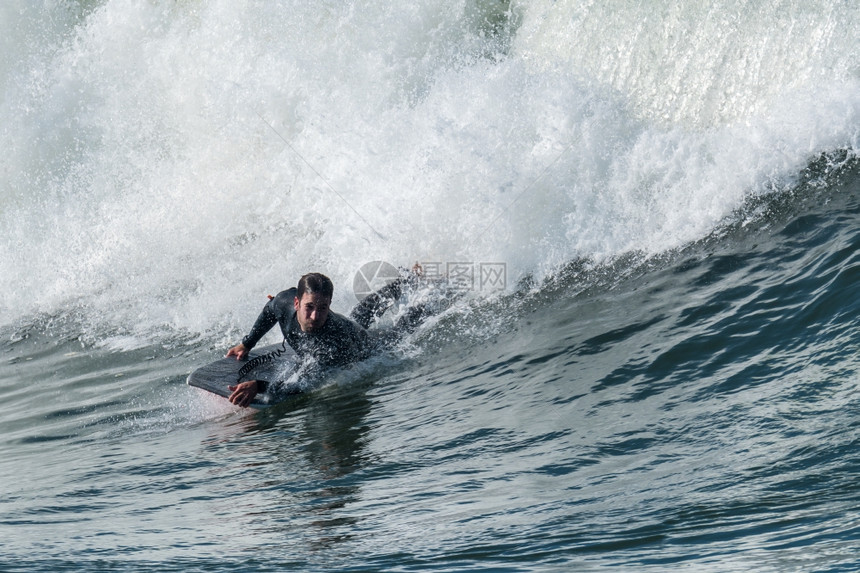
(172, 164)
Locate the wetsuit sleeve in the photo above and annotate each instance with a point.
(272, 313)
(375, 304)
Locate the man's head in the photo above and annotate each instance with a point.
(313, 298)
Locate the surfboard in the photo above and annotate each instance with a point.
(216, 376)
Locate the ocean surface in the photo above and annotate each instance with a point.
(650, 210)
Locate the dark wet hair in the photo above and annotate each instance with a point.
(315, 283)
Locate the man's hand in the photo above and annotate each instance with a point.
(243, 393)
(239, 351)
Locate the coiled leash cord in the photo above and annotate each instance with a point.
(259, 361)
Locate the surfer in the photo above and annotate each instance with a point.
(313, 330)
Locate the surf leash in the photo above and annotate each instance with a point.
(254, 363)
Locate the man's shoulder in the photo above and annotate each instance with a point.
(341, 324)
(286, 295)
(348, 339)
(342, 321)
(282, 303)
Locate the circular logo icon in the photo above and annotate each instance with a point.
(372, 277)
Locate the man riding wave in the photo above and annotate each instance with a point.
(314, 331)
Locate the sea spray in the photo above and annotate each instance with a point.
(169, 165)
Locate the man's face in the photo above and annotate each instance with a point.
(312, 311)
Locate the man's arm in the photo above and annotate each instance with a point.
(376, 303)
(271, 313)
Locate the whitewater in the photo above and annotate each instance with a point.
(650, 211)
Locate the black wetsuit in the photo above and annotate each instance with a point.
(341, 340)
